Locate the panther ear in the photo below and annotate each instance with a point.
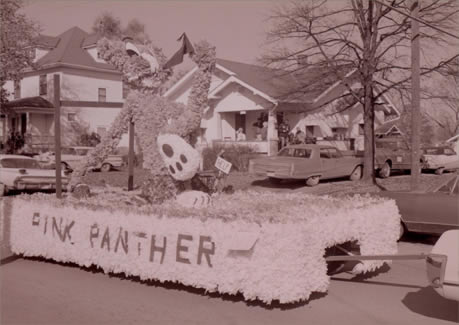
(131, 49)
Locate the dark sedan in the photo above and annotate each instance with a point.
(432, 212)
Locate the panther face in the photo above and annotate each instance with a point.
(180, 158)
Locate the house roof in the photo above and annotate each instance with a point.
(47, 41)
(282, 85)
(388, 126)
(69, 50)
(28, 102)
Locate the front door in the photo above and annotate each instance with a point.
(240, 122)
(23, 123)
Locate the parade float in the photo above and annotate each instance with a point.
(267, 246)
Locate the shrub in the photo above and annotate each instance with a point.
(238, 155)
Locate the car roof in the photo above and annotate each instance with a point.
(310, 146)
(14, 156)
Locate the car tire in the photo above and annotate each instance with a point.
(356, 174)
(384, 172)
(439, 171)
(105, 167)
(274, 181)
(402, 231)
(64, 166)
(313, 181)
(2, 190)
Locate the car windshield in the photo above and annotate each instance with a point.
(295, 152)
(81, 152)
(393, 145)
(19, 163)
(450, 187)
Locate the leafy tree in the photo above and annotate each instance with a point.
(136, 30)
(18, 35)
(107, 25)
(89, 139)
(367, 36)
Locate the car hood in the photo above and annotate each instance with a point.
(31, 172)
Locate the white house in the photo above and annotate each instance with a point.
(241, 93)
(91, 90)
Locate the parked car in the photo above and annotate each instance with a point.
(431, 212)
(73, 157)
(443, 265)
(440, 159)
(21, 173)
(392, 153)
(310, 162)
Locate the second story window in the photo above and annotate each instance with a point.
(43, 85)
(102, 95)
(17, 89)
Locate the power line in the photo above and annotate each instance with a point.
(417, 19)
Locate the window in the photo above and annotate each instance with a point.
(102, 95)
(17, 89)
(339, 133)
(303, 153)
(334, 153)
(71, 117)
(324, 153)
(43, 85)
(361, 129)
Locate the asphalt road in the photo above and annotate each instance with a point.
(42, 292)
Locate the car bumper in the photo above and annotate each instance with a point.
(37, 183)
(436, 266)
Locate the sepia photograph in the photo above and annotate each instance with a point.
(229, 162)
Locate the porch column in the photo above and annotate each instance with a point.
(272, 133)
(219, 126)
(4, 125)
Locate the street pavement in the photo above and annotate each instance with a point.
(35, 291)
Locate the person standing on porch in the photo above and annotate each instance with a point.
(264, 131)
(284, 130)
(240, 136)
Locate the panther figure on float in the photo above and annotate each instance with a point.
(146, 74)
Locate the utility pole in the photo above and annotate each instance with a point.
(415, 98)
(57, 134)
(131, 156)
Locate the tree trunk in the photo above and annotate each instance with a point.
(368, 134)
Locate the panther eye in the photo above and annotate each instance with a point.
(168, 151)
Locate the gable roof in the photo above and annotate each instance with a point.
(68, 50)
(281, 85)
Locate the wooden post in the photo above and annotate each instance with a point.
(131, 157)
(272, 133)
(415, 98)
(57, 134)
